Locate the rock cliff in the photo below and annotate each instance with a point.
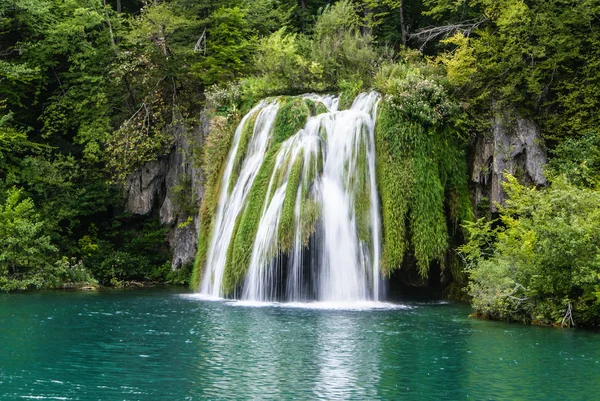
(514, 145)
(172, 188)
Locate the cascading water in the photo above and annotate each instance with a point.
(318, 237)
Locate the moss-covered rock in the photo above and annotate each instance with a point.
(291, 117)
(240, 247)
(286, 222)
(213, 161)
(240, 155)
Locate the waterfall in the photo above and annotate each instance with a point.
(318, 236)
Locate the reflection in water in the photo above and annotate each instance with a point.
(153, 345)
(347, 365)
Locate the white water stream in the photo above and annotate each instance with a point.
(335, 251)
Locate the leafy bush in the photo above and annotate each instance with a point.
(24, 244)
(336, 56)
(541, 261)
(578, 159)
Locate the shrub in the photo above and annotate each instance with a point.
(541, 261)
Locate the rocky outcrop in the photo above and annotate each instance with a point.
(172, 188)
(514, 145)
(144, 188)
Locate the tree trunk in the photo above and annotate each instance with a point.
(116, 49)
(367, 30)
(403, 25)
(110, 30)
(119, 7)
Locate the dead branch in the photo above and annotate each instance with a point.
(201, 43)
(425, 35)
(568, 319)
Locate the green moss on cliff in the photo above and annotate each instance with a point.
(421, 169)
(240, 155)
(360, 183)
(240, 247)
(291, 117)
(213, 160)
(286, 224)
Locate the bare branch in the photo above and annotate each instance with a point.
(201, 43)
(425, 35)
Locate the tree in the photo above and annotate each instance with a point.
(23, 243)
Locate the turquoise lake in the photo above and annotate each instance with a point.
(167, 345)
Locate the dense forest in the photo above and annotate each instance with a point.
(90, 90)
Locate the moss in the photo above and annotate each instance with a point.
(240, 155)
(279, 175)
(290, 119)
(427, 218)
(350, 89)
(213, 160)
(421, 173)
(310, 215)
(286, 223)
(395, 183)
(362, 192)
(321, 109)
(346, 100)
(310, 172)
(240, 247)
(312, 106)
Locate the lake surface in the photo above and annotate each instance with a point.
(164, 345)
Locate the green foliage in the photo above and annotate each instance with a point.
(540, 55)
(579, 160)
(338, 55)
(291, 117)
(543, 260)
(24, 244)
(421, 168)
(127, 249)
(341, 48)
(141, 139)
(283, 67)
(230, 43)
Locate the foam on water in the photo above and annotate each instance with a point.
(349, 306)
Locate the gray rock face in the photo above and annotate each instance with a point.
(515, 146)
(143, 188)
(173, 188)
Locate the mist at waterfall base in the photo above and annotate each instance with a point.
(335, 263)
